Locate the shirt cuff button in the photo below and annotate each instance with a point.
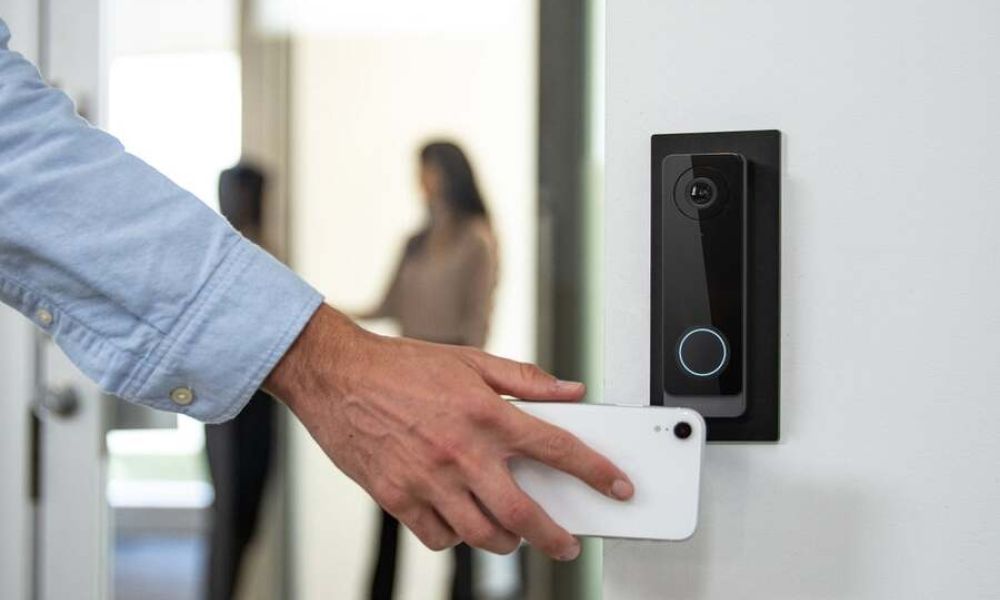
(182, 396)
(44, 317)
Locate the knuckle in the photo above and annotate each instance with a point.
(432, 535)
(433, 540)
(448, 450)
(530, 372)
(480, 537)
(484, 413)
(552, 547)
(508, 546)
(471, 356)
(558, 446)
(439, 542)
(517, 514)
(393, 499)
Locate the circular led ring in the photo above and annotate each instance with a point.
(718, 336)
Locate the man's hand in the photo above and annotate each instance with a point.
(423, 429)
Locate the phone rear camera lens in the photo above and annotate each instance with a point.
(702, 191)
(682, 430)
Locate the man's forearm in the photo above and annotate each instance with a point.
(145, 288)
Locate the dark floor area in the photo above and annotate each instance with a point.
(158, 566)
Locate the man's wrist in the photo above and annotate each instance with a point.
(323, 341)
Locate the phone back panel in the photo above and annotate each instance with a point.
(641, 440)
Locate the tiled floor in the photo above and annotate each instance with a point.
(158, 567)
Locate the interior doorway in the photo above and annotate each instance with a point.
(370, 87)
(173, 99)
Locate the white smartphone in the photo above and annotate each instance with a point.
(658, 447)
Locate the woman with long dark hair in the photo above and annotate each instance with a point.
(442, 292)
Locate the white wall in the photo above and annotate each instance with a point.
(885, 483)
(365, 99)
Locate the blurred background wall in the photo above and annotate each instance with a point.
(366, 95)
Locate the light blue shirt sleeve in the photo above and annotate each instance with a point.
(147, 290)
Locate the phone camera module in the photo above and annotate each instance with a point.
(683, 430)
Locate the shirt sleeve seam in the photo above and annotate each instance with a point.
(219, 281)
(272, 357)
(64, 314)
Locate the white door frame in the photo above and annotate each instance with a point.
(16, 384)
(73, 552)
(52, 468)
(15, 490)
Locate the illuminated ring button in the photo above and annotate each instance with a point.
(703, 351)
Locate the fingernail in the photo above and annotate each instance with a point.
(622, 489)
(572, 553)
(568, 385)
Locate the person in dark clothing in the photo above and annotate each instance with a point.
(240, 450)
(442, 292)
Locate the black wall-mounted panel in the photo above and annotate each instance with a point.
(715, 322)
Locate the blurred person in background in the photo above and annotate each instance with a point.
(442, 292)
(240, 450)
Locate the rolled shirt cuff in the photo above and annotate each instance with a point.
(228, 341)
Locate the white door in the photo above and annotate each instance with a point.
(55, 543)
(16, 387)
(70, 522)
(15, 489)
